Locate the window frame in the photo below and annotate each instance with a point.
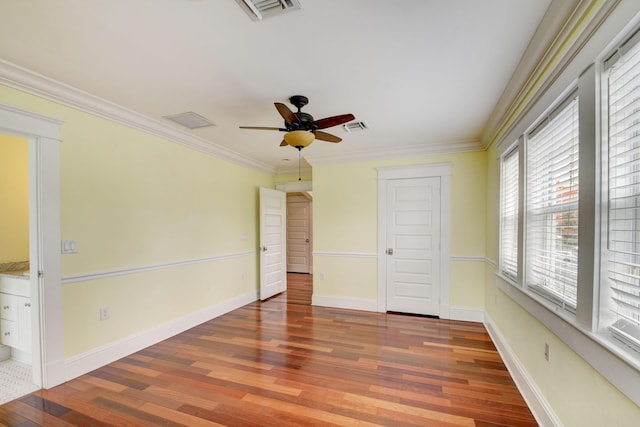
(552, 209)
(604, 319)
(512, 152)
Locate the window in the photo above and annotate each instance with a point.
(622, 264)
(579, 187)
(509, 176)
(552, 206)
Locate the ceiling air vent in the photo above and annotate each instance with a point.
(355, 127)
(261, 9)
(190, 120)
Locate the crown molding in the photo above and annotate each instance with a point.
(25, 80)
(566, 27)
(447, 147)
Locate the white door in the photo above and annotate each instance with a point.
(413, 239)
(273, 242)
(298, 234)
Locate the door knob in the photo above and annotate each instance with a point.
(264, 249)
(390, 251)
(306, 240)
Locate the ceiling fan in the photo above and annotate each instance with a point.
(301, 129)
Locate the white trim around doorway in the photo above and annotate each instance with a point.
(443, 171)
(43, 135)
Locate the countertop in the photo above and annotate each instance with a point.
(16, 274)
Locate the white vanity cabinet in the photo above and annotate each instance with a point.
(9, 320)
(15, 314)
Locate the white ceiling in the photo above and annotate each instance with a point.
(419, 72)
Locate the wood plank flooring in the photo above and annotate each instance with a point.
(299, 288)
(283, 364)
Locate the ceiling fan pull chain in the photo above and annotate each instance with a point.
(299, 177)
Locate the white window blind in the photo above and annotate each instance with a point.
(552, 206)
(509, 173)
(623, 269)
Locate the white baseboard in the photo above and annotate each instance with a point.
(21, 356)
(86, 362)
(454, 313)
(362, 304)
(542, 411)
(466, 314)
(5, 352)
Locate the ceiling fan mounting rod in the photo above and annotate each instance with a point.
(299, 101)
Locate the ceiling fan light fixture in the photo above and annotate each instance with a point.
(299, 138)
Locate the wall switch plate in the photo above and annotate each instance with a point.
(69, 246)
(546, 352)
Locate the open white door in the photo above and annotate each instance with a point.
(273, 242)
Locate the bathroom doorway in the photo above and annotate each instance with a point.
(42, 135)
(17, 376)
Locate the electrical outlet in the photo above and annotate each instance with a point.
(546, 352)
(104, 313)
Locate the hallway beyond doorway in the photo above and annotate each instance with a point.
(299, 288)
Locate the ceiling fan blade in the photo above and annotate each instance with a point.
(333, 121)
(283, 143)
(286, 113)
(324, 136)
(263, 128)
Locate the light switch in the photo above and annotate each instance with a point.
(69, 246)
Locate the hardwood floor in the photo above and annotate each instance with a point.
(284, 364)
(299, 288)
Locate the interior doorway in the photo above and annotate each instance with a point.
(43, 136)
(299, 232)
(414, 208)
(18, 372)
(300, 284)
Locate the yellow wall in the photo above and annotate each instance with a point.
(134, 200)
(14, 194)
(291, 178)
(346, 222)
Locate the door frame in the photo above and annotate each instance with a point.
(43, 136)
(439, 170)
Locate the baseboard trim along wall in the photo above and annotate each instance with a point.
(539, 406)
(465, 314)
(351, 303)
(86, 362)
